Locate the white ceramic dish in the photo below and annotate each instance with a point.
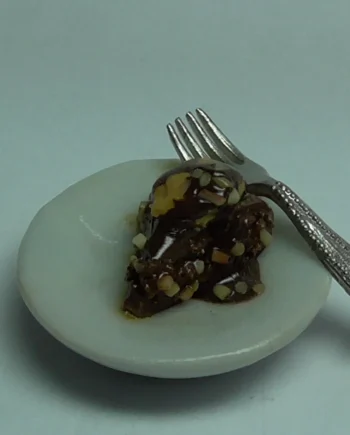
(71, 270)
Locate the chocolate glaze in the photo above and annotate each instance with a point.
(177, 238)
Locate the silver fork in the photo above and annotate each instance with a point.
(204, 139)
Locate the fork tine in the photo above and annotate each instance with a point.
(218, 136)
(212, 150)
(189, 140)
(180, 148)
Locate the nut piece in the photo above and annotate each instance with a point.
(136, 264)
(133, 258)
(241, 188)
(241, 287)
(222, 182)
(238, 249)
(165, 282)
(189, 291)
(205, 179)
(199, 266)
(197, 173)
(204, 220)
(212, 197)
(233, 197)
(222, 292)
(259, 288)
(139, 241)
(265, 237)
(173, 290)
(220, 257)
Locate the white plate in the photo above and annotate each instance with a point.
(71, 269)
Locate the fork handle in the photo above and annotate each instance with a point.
(331, 249)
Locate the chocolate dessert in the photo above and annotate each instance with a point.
(200, 234)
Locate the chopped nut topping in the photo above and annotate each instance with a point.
(205, 179)
(186, 294)
(238, 249)
(241, 287)
(201, 235)
(222, 292)
(139, 241)
(233, 197)
(189, 291)
(199, 266)
(241, 188)
(197, 173)
(220, 257)
(165, 282)
(136, 264)
(222, 182)
(204, 220)
(265, 237)
(133, 258)
(212, 197)
(259, 288)
(173, 290)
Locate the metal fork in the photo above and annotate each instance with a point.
(204, 139)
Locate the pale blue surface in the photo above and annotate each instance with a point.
(81, 85)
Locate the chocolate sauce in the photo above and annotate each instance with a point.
(204, 234)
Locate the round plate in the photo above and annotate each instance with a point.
(71, 269)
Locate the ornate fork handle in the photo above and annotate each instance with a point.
(331, 249)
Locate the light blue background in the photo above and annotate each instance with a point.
(86, 84)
